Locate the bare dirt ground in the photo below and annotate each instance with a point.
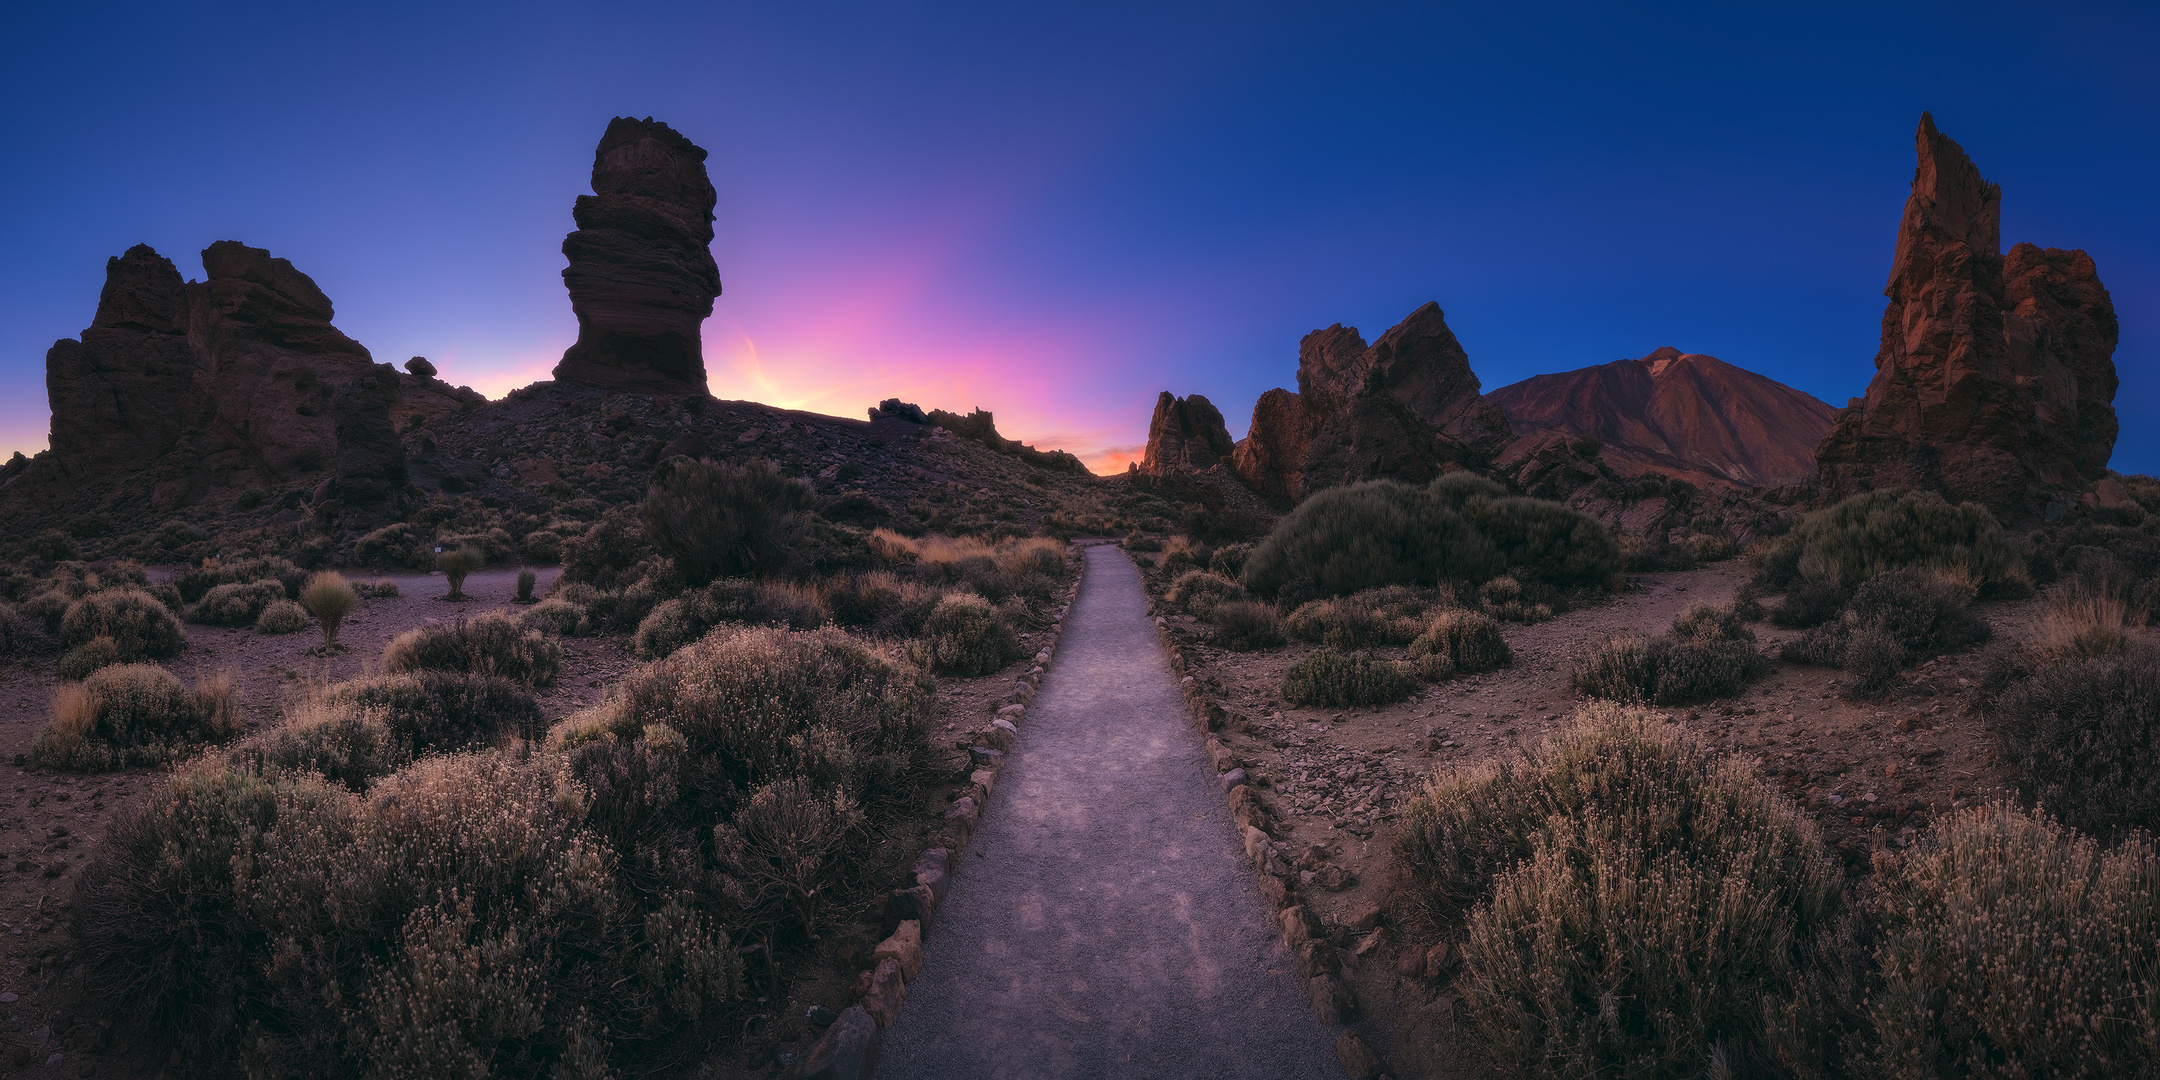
(1872, 773)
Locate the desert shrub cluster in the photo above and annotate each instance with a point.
(714, 519)
(1459, 642)
(1708, 654)
(236, 603)
(1333, 679)
(1877, 532)
(123, 625)
(130, 715)
(1894, 620)
(965, 635)
(1247, 625)
(1634, 903)
(2081, 735)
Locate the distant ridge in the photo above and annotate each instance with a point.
(1684, 413)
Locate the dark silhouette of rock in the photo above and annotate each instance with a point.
(641, 276)
(1185, 433)
(894, 408)
(1329, 433)
(420, 366)
(186, 388)
(370, 462)
(1686, 414)
(981, 426)
(1995, 381)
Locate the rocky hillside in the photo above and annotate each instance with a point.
(1686, 414)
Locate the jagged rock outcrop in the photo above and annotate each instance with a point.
(1995, 381)
(1406, 406)
(1686, 414)
(184, 388)
(641, 277)
(1185, 433)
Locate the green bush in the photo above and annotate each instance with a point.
(282, 617)
(967, 636)
(397, 544)
(608, 555)
(1894, 620)
(1246, 625)
(440, 711)
(349, 747)
(236, 604)
(1229, 560)
(1333, 679)
(131, 715)
(2013, 946)
(1347, 623)
(491, 644)
(2082, 738)
(1199, 591)
(1879, 531)
(1638, 903)
(1457, 490)
(1364, 536)
(77, 663)
(543, 546)
(1547, 540)
(1459, 642)
(139, 626)
(715, 519)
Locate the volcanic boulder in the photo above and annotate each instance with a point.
(1406, 406)
(117, 394)
(1995, 381)
(1685, 414)
(370, 462)
(641, 275)
(1185, 433)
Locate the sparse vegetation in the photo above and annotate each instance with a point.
(1247, 625)
(1880, 531)
(282, 617)
(131, 715)
(967, 636)
(1893, 621)
(1709, 654)
(1200, 591)
(525, 580)
(2082, 737)
(330, 599)
(1459, 642)
(1333, 679)
(458, 563)
(715, 519)
(236, 604)
(136, 623)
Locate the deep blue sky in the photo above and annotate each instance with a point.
(1054, 215)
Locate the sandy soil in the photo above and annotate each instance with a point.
(1871, 772)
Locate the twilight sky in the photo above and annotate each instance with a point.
(1054, 214)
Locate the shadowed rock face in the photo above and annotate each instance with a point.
(237, 380)
(1338, 429)
(1185, 433)
(641, 277)
(1995, 381)
(1681, 413)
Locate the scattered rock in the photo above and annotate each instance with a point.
(847, 1051)
(1358, 1059)
(885, 993)
(903, 947)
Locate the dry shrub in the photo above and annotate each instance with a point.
(2014, 947)
(1333, 679)
(714, 519)
(893, 547)
(779, 848)
(525, 580)
(329, 599)
(1032, 555)
(1709, 654)
(1367, 535)
(282, 617)
(1636, 901)
(1247, 625)
(196, 582)
(2082, 622)
(458, 563)
(1349, 623)
(1459, 642)
(380, 589)
(491, 644)
(2082, 738)
(557, 616)
(1199, 591)
(440, 711)
(140, 627)
(882, 602)
(77, 663)
(1546, 540)
(771, 704)
(967, 636)
(236, 604)
(132, 715)
(1182, 553)
(1810, 603)
(674, 623)
(22, 635)
(346, 746)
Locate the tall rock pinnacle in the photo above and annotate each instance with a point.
(1995, 381)
(1185, 433)
(641, 276)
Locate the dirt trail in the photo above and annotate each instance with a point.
(1104, 925)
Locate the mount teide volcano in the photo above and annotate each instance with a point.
(1671, 411)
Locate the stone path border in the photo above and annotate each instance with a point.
(849, 1048)
(1318, 959)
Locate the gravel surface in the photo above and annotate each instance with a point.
(1104, 924)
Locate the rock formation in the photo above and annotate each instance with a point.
(238, 380)
(1407, 406)
(1995, 381)
(1686, 414)
(641, 275)
(1185, 433)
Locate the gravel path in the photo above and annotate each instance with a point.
(1104, 925)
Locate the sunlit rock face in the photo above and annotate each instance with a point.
(641, 277)
(1995, 380)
